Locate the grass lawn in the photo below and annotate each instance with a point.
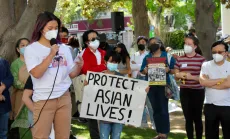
(81, 130)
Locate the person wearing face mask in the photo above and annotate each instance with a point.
(20, 74)
(124, 66)
(94, 61)
(51, 97)
(187, 69)
(156, 94)
(215, 77)
(137, 58)
(136, 61)
(110, 129)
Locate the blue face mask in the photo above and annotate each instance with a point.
(22, 50)
(112, 66)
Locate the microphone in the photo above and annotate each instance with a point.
(52, 42)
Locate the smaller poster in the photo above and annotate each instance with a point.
(156, 71)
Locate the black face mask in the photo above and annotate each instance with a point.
(154, 47)
(141, 47)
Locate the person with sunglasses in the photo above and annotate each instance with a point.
(94, 61)
(215, 77)
(187, 69)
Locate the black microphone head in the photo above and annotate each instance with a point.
(53, 41)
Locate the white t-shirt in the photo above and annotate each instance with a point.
(35, 53)
(214, 96)
(138, 59)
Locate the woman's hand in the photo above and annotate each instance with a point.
(2, 98)
(181, 75)
(133, 62)
(145, 70)
(189, 76)
(54, 50)
(79, 62)
(85, 83)
(167, 69)
(147, 89)
(107, 72)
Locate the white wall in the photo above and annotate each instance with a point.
(225, 18)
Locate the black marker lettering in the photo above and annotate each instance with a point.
(117, 97)
(122, 115)
(97, 109)
(108, 98)
(100, 96)
(127, 100)
(96, 79)
(103, 80)
(111, 84)
(91, 76)
(102, 111)
(123, 84)
(88, 110)
(133, 83)
(118, 82)
(112, 113)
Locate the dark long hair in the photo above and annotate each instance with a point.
(162, 47)
(42, 20)
(73, 42)
(195, 42)
(124, 53)
(17, 45)
(85, 37)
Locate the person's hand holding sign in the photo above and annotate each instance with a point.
(147, 89)
(133, 62)
(85, 83)
(167, 69)
(80, 62)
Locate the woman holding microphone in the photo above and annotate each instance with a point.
(51, 68)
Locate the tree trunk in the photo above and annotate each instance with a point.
(205, 25)
(140, 18)
(24, 26)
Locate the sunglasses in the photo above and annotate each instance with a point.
(218, 52)
(96, 38)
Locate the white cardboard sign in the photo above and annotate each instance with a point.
(113, 98)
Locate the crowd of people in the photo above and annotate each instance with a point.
(48, 81)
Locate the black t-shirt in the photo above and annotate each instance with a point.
(29, 84)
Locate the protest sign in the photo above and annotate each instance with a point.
(156, 71)
(114, 99)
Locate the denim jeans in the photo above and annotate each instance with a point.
(4, 125)
(114, 128)
(147, 110)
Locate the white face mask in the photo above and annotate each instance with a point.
(188, 49)
(51, 34)
(94, 44)
(218, 57)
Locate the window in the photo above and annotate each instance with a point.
(74, 26)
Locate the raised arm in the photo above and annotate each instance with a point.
(35, 69)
